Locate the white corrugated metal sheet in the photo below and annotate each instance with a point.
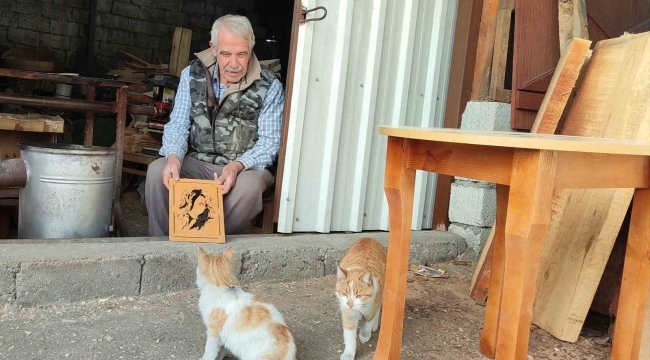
(368, 63)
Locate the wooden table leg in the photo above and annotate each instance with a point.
(488, 343)
(636, 281)
(398, 185)
(529, 215)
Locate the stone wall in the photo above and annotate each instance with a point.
(142, 27)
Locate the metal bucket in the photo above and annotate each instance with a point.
(68, 193)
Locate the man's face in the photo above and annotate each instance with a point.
(232, 56)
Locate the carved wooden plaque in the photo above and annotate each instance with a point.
(196, 211)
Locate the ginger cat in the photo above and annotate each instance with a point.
(237, 321)
(359, 288)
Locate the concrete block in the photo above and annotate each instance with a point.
(486, 116)
(34, 22)
(150, 14)
(279, 263)
(58, 12)
(80, 16)
(112, 21)
(55, 282)
(145, 41)
(196, 8)
(163, 30)
(22, 36)
(170, 5)
(31, 7)
(124, 9)
(55, 41)
(176, 18)
(4, 34)
(141, 26)
(472, 205)
(83, 4)
(201, 22)
(104, 5)
(9, 19)
(120, 37)
(64, 28)
(474, 236)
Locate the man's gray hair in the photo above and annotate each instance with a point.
(236, 24)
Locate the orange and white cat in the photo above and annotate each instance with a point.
(359, 288)
(237, 321)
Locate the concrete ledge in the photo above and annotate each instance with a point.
(44, 272)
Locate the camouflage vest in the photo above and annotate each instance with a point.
(231, 130)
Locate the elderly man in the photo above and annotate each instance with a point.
(225, 125)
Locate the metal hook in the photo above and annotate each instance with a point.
(305, 12)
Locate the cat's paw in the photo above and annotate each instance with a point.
(364, 337)
(345, 356)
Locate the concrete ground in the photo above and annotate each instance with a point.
(441, 322)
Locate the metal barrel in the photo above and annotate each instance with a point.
(69, 191)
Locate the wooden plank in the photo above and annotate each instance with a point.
(483, 67)
(500, 56)
(529, 214)
(184, 51)
(528, 100)
(536, 50)
(592, 171)
(463, 59)
(630, 316)
(176, 46)
(481, 277)
(612, 103)
(564, 80)
(31, 123)
(501, 139)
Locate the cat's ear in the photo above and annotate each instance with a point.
(366, 278)
(229, 253)
(340, 273)
(203, 256)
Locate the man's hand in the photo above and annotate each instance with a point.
(229, 176)
(172, 169)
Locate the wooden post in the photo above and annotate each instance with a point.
(90, 116)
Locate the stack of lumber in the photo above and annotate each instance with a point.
(136, 139)
(31, 122)
(180, 53)
(493, 47)
(136, 69)
(613, 86)
(273, 65)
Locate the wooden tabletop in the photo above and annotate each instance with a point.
(521, 140)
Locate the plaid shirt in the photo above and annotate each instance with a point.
(269, 124)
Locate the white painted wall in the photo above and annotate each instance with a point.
(368, 63)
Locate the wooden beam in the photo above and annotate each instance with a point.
(528, 100)
(487, 33)
(564, 80)
(463, 60)
(500, 54)
(462, 160)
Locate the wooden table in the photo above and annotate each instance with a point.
(526, 168)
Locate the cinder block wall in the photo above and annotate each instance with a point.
(142, 27)
(472, 207)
